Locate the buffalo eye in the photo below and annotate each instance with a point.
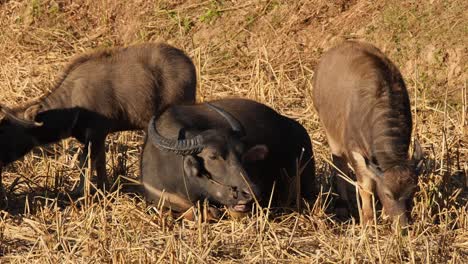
(389, 196)
(239, 148)
(213, 156)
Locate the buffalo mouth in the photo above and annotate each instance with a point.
(240, 207)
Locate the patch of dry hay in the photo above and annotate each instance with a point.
(265, 50)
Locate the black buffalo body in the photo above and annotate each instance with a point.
(229, 152)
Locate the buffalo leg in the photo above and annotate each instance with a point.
(79, 190)
(98, 163)
(341, 184)
(98, 159)
(366, 187)
(340, 162)
(3, 194)
(307, 178)
(341, 167)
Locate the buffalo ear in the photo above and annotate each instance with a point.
(191, 166)
(255, 153)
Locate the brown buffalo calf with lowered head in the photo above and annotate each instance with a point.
(363, 104)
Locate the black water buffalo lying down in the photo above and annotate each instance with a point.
(227, 152)
(97, 94)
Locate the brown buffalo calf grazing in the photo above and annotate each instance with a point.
(97, 94)
(363, 104)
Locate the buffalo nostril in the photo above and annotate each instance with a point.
(246, 194)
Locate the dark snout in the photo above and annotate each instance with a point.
(397, 210)
(242, 194)
(403, 220)
(248, 188)
(243, 200)
(399, 215)
(245, 195)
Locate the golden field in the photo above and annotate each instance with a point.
(264, 50)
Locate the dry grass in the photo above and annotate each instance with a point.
(265, 50)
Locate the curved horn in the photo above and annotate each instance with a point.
(20, 121)
(181, 146)
(235, 124)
